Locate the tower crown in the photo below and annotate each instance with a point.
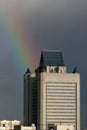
(51, 58)
(52, 61)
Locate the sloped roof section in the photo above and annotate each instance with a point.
(51, 58)
(27, 71)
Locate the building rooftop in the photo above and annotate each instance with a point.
(27, 71)
(51, 58)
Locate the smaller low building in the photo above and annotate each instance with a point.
(32, 127)
(60, 127)
(15, 125)
(9, 125)
(64, 127)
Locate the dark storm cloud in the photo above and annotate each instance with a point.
(55, 24)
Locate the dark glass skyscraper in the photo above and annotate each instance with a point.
(27, 99)
(30, 98)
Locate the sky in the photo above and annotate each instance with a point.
(26, 28)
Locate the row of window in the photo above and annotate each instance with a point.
(58, 100)
(59, 122)
(50, 89)
(54, 97)
(61, 119)
(57, 92)
(63, 112)
(62, 108)
(61, 85)
(60, 103)
(62, 89)
(59, 115)
(61, 95)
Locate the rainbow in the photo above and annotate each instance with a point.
(23, 47)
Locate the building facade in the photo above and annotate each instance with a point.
(59, 100)
(57, 93)
(9, 125)
(64, 127)
(15, 125)
(27, 99)
(30, 99)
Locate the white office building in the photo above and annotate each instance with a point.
(59, 92)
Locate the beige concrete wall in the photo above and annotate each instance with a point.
(62, 79)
